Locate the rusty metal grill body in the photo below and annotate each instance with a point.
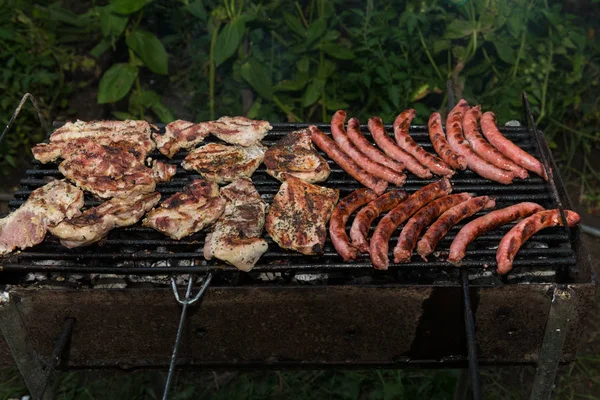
(305, 311)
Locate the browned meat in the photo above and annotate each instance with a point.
(441, 145)
(180, 135)
(370, 151)
(240, 130)
(222, 163)
(341, 213)
(163, 172)
(198, 206)
(236, 237)
(447, 220)
(96, 222)
(295, 155)
(511, 242)
(46, 206)
(298, 217)
(484, 224)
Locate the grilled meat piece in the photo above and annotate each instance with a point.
(180, 135)
(239, 130)
(196, 207)
(441, 145)
(299, 213)
(95, 223)
(46, 206)
(236, 237)
(163, 172)
(295, 155)
(222, 163)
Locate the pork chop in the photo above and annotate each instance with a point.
(199, 205)
(236, 237)
(181, 135)
(295, 155)
(46, 206)
(95, 223)
(163, 172)
(239, 130)
(299, 214)
(222, 163)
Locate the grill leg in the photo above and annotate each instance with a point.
(561, 309)
(20, 346)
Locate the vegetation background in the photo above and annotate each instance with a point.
(300, 61)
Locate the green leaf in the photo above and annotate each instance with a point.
(514, 24)
(338, 51)
(336, 104)
(144, 99)
(116, 82)
(128, 6)
(294, 24)
(100, 48)
(505, 52)
(313, 92)
(162, 112)
(303, 64)
(255, 74)
(315, 30)
(229, 40)
(152, 52)
(254, 109)
(291, 85)
(123, 115)
(196, 8)
(440, 45)
(458, 28)
(111, 23)
(10, 160)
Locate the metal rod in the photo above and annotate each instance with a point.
(33, 100)
(188, 300)
(57, 351)
(471, 337)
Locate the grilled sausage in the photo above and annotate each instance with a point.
(486, 223)
(344, 161)
(341, 138)
(441, 145)
(359, 232)
(508, 148)
(380, 241)
(511, 242)
(341, 213)
(415, 225)
(454, 130)
(370, 151)
(390, 148)
(401, 128)
(486, 150)
(447, 220)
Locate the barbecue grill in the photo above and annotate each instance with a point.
(111, 304)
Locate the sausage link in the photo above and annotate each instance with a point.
(379, 245)
(511, 242)
(390, 148)
(359, 231)
(447, 220)
(486, 150)
(415, 225)
(508, 148)
(402, 135)
(344, 161)
(339, 217)
(341, 138)
(371, 151)
(441, 145)
(454, 130)
(486, 223)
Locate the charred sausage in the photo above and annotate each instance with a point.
(415, 225)
(371, 151)
(454, 130)
(401, 128)
(341, 213)
(441, 145)
(390, 148)
(380, 241)
(447, 220)
(486, 150)
(341, 138)
(344, 161)
(511, 242)
(508, 148)
(359, 232)
(484, 224)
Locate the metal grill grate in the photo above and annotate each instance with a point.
(139, 250)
